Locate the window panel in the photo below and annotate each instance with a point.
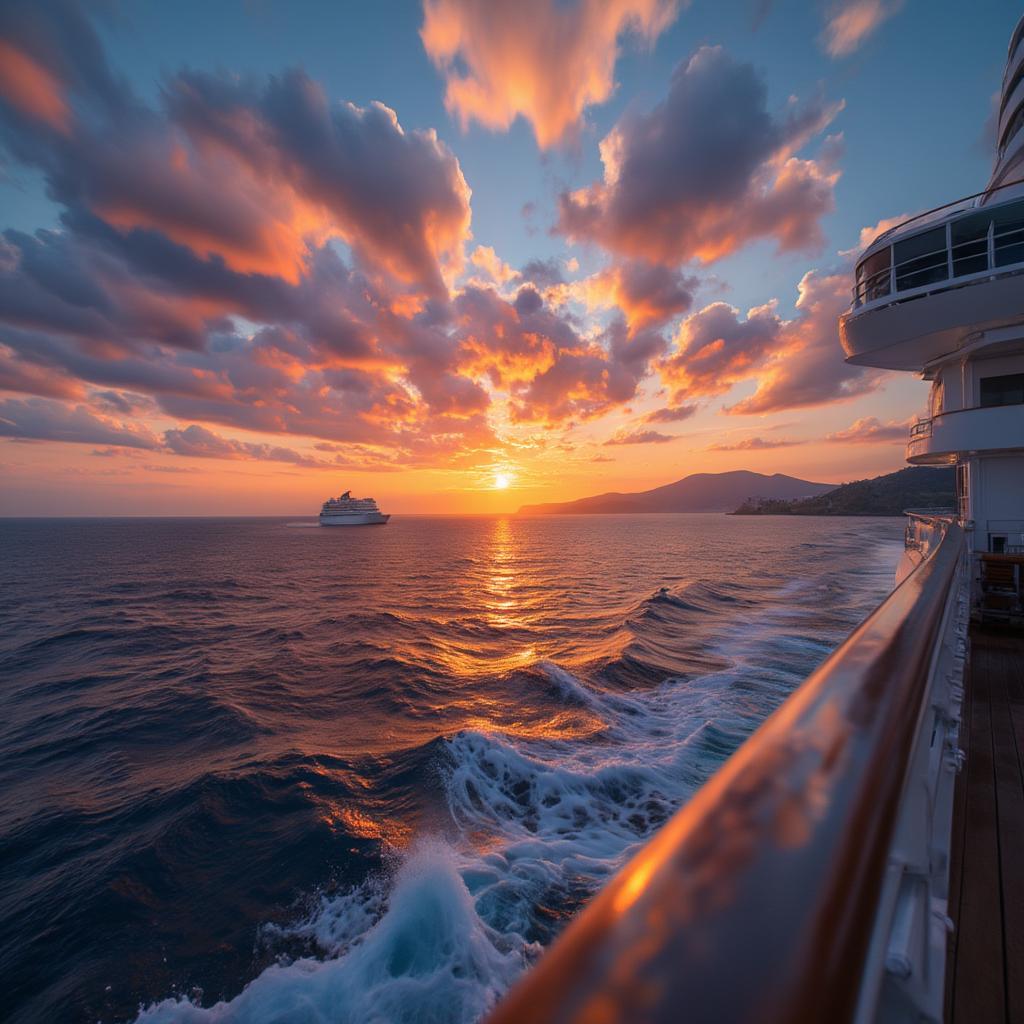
(873, 275)
(921, 260)
(1008, 234)
(1004, 390)
(969, 239)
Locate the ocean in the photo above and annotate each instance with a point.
(253, 771)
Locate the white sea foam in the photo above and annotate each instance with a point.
(429, 958)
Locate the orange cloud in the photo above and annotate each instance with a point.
(252, 172)
(715, 348)
(648, 294)
(486, 259)
(872, 231)
(540, 59)
(31, 89)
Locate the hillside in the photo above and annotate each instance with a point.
(890, 495)
(700, 492)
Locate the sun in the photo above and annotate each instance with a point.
(501, 481)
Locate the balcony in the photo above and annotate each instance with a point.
(936, 441)
(965, 260)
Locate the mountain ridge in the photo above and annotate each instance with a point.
(698, 492)
(888, 495)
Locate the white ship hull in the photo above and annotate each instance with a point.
(353, 519)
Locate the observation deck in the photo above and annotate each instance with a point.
(929, 286)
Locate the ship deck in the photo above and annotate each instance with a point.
(985, 970)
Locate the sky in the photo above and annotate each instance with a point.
(454, 254)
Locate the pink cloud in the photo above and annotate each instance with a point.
(850, 22)
(871, 430)
(31, 89)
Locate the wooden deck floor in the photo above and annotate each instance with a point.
(985, 970)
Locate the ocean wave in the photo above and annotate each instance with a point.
(430, 957)
(402, 774)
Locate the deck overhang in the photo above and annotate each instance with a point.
(909, 333)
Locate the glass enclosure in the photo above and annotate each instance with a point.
(976, 243)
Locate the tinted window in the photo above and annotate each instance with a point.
(921, 260)
(873, 276)
(1007, 390)
(969, 238)
(1008, 234)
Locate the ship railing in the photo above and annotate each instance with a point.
(921, 427)
(925, 529)
(954, 252)
(807, 880)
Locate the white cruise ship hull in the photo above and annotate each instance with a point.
(353, 519)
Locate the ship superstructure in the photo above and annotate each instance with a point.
(348, 511)
(942, 294)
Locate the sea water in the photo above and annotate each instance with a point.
(254, 773)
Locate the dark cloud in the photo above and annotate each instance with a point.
(41, 419)
(247, 170)
(398, 198)
(199, 442)
(229, 202)
(543, 273)
(706, 171)
(670, 415)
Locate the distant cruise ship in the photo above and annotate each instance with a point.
(349, 511)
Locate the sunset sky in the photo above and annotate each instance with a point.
(458, 255)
